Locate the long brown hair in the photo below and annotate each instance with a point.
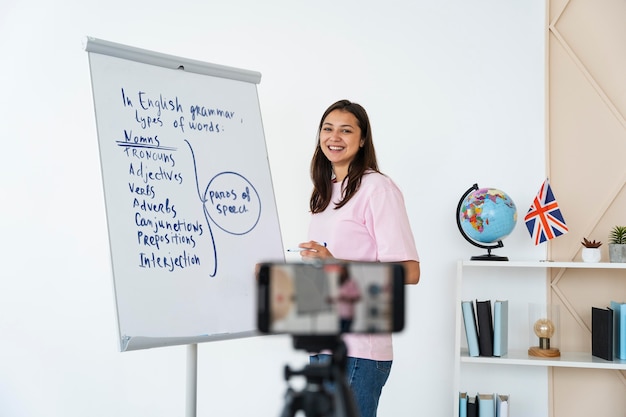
(321, 168)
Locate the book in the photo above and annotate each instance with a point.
(619, 329)
(472, 406)
(500, 327)
(602, 333)
(469, 321)
(485, 327)
(462, 404)
(502, 405)
(486, 405)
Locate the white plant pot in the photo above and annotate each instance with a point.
(591, 255)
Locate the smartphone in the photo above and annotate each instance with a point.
(330, 298)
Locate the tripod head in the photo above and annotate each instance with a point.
(326, 393)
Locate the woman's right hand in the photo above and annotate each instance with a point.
(314, 250)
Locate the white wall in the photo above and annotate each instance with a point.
(455, 93)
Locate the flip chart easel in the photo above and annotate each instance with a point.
(188, 195)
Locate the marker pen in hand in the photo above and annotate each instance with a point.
(303, 249)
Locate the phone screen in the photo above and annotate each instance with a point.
(330, 298)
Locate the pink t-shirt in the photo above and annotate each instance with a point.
(372, 227)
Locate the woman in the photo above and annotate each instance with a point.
(360, 215)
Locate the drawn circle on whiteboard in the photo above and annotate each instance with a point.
(233, 203)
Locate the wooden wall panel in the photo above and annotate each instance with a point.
(586, 145)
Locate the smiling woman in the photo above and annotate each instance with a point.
(352, 201)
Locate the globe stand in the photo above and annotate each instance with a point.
(489, 256)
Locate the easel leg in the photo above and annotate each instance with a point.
(192, 379)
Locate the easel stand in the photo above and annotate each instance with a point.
(326, 393)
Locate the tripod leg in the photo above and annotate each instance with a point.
(344, 400)
(292, 401)
(345, 406)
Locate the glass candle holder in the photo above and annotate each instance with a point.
(544, 334)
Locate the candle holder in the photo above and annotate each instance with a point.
(544, 330)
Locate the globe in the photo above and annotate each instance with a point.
(485, 216)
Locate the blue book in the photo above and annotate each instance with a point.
(469, 320)
(619, 329)
(486, 405)
(462, 404)
(500, 327)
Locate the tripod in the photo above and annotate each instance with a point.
(326, 393)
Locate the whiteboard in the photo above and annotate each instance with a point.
(188, 194)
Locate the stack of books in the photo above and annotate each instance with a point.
(486, 332)
(483, 405)
(608, 331)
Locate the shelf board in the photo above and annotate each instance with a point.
(567, 360)
(544, 264)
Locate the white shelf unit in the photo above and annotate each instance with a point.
(522, 377)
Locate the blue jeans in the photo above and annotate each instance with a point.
(366, 379)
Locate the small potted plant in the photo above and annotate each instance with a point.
(617, 244)
(591, 251)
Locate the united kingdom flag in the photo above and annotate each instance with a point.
(544, 219)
